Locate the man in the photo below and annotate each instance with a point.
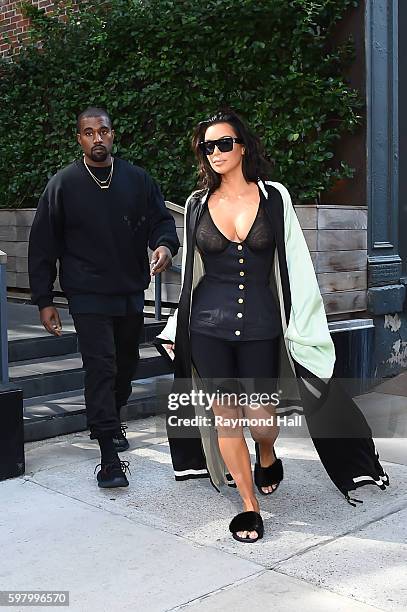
(96, 217)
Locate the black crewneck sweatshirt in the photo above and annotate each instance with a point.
(100, 236)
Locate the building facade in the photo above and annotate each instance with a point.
(372, 331)
(14, 26)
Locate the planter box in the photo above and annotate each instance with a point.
(336, 236)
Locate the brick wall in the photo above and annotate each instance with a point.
(14, 25)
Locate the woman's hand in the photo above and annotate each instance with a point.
(170, 348)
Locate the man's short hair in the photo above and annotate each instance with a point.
(92, 111)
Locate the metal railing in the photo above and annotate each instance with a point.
(173, 208)
(158, 292)
(157, 297)
(3, 320)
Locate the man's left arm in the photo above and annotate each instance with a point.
(162, 234)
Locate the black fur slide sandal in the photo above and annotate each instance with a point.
(247, 521)
(267, 476)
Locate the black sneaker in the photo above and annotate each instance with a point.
(112, 475)
(120, 439)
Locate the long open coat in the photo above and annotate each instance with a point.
(338, 429)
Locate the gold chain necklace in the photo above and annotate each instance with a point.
(103, 184)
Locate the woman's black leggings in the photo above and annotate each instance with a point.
(215, 358)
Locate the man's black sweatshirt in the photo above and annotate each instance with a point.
(99, 236)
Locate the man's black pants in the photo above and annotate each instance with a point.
(110, 352)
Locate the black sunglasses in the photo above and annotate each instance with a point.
(224, 144)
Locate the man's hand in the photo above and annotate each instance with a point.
(161, 259)
(50, 319)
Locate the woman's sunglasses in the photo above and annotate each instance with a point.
(224, 145)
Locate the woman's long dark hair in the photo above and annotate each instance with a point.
(254, 165)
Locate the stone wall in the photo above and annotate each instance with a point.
(337, 239)
(336, 236)
(15, 228)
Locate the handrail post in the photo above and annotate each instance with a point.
(3, 319)
(157, 297)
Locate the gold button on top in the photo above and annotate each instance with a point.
(239, 247)
(241, 260)
(240, 315)
(241, 286)
(237, 332)
(240, 300)
(241, 273)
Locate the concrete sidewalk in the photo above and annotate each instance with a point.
(161, 545)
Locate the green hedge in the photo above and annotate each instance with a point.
(159, 66)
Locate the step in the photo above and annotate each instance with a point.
(22, 298)
(50, 375)
(24, 347)
(42, 346)
(64, 413)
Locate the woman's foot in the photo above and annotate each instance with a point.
(267, 458)
(250, 505)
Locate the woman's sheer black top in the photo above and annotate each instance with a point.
(233, 300)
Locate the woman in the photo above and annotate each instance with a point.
(242, 246)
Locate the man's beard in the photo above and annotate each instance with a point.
(99, 154)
